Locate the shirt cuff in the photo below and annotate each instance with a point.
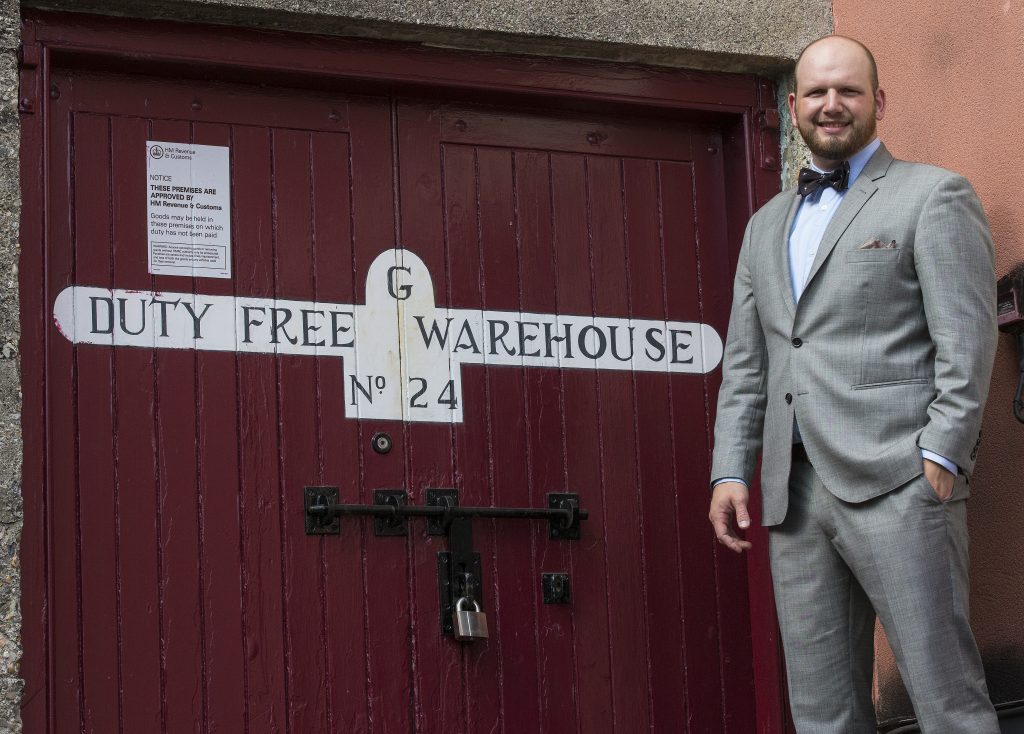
(941, 460)
(727, 479)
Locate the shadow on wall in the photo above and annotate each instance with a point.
(997, 553)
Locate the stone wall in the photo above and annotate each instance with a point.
(734, 35)
(10, 386)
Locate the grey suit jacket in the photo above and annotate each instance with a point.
(889, 350)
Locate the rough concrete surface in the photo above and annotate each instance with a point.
(729, 35)
(10, 385)
(732, 35)
(795, 154)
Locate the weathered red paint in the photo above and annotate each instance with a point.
(168, 583)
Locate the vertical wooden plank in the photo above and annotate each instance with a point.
(545, 458)
(655, 458)
(139, 481)
(62, 499)
(734, 601)
(96, 427)
(263, 599)
(177, 443)
(473, 439)
(625, 572)
(696, 560)
(388, 614)
(583, 451)
(223, 677)
(429, 449)
(515, 585)
(297, 407)
(342, 625)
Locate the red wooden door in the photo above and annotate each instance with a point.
(181, 592)
(535, 213)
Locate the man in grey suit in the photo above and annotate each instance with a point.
(858, 359)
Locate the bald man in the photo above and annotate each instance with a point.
(858, 359)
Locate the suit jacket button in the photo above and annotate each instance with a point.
(789, 398)
(797, 341)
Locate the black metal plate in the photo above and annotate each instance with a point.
(444, 591)
(316, 525)
(556, 530)
(556, 588)
(447, 588)
(386, 526)
(437, 498)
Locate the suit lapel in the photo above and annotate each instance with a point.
(782, 257)
(863, 189)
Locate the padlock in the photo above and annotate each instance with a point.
(468, 625)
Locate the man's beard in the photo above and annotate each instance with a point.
(835, 149)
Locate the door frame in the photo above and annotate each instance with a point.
(742, 106)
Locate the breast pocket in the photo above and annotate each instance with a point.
(873, 275)
(876, 255)
(888, 317)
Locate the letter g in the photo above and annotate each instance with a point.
(403, 290)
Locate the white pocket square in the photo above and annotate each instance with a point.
(877, 244)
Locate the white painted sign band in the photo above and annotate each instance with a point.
(402, 355)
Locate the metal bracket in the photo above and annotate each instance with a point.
(391, 526)
(556, 588)
(558, 528)
(458, 568)
(321, 524)
(440, 498)
(451, 585)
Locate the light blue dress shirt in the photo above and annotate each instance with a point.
(812, 220)
(809, 224)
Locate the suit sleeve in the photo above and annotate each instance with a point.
(742, 397)
(954, 259)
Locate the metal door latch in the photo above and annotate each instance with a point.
(563, 512)
(459, 576)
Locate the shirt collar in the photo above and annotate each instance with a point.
(858, 160)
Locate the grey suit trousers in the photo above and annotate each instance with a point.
(903, 555)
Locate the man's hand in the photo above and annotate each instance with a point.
(730, 499)
(940, 478)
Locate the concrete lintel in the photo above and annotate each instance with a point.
(758, 37)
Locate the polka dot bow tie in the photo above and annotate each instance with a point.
(811, 180)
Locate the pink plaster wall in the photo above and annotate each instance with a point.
(953, 71)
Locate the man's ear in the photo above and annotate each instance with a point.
(879, 104)
(791, 103)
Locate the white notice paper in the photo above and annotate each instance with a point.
(189, 209)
